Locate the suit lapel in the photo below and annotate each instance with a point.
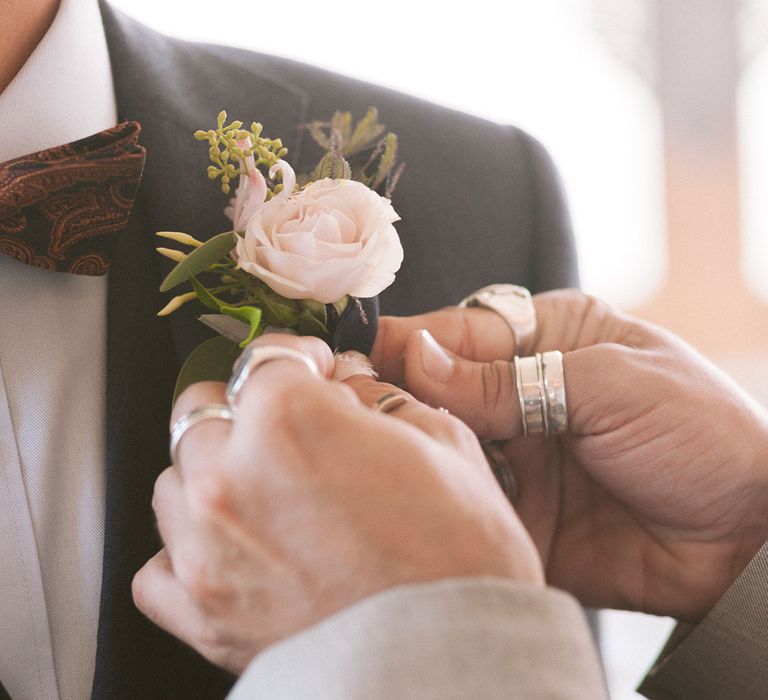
(144, 353)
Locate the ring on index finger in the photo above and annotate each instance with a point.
(514, 304)
(254, 357)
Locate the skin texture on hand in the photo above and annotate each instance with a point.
(310, 501)
(657, 498)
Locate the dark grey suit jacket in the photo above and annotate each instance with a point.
(480, 203)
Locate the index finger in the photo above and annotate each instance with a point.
(476, 334)
(567, 320)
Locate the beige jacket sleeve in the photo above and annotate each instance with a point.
(726, 654)
(457, 639)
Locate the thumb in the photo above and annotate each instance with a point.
(482, 394)
(601, 384)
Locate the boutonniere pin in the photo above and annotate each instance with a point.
(305, 254)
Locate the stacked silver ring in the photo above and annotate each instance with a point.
(541, 391)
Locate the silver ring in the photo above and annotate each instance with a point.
(541, 392)
(389, 402)
(532, 395)
(254, 357)
(502, 469)
(554, 391)
(212, 411)
(521, 398)
(514, 304)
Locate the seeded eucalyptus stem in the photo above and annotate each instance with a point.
(230, 142)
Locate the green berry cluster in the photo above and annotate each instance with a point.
(228, 149)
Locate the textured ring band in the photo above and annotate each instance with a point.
(253, 358)
(532, 395)
(212, 411)
(542, 392)
(554, 390)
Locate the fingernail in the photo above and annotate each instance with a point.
(435, 362)
(351, 363)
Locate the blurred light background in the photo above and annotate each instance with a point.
(656, 112)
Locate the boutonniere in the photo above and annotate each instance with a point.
(304, 253)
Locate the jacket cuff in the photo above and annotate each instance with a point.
(476, 637)
(726, 654)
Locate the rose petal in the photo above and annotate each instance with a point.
(334, 237)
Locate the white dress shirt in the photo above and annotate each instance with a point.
(52, 392)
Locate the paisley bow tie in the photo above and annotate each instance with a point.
(61, 208)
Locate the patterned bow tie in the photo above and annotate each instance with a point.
(58, 207)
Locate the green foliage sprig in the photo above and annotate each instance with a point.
(365, 151)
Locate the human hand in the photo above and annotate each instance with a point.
(657, 498)
(310, 501)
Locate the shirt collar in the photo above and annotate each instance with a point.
(64, 91)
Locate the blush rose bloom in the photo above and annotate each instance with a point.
(333, 238)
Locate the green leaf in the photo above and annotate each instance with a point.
(247, 314)
(205, 296)
(200, 259)
(278, 311)
(316, 131)
(317, 309)
(341, 123)
(341, 305)
(365, 134)
(210, 361)
(311, 325)
(388, 160)
(332, 165)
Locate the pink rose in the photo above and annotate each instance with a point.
(333, 238)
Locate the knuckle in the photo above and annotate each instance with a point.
(344, 393)
(595, 306)
(204, 584)
(497, 384)
(468, 342)
(455, 429)
(312, 402)
(160, 489)
(213, 645)
(138, 590)
(210, 493)
(293, 400)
